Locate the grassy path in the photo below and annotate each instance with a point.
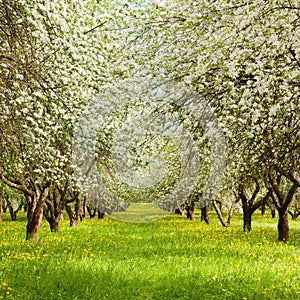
(172, 258)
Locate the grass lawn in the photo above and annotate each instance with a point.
(172, 258)
(140, 213)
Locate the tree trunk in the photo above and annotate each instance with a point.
(294, 214)
(34, 224)
(101, 215)
(53, 212)
(282, 201)
(263, 209)
(220, 215)
(294, 217)
(273, 213)
(4, 206)
(13, 213)
(1, 208)
(179, 211)
(190, 211)
(92, 212)
(13, 216)
(54, 225)
(72, 216)
(283, 226)
(35, 211)
(204, 215)
(231, 212)
(247, 218)
(84, 209)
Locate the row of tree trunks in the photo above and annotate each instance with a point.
(39, 203)
(54, 206)
(46, 200)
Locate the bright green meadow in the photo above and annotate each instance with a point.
(172, 258)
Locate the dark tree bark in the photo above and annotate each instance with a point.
(282, 202)
(273, 213)
(54, 206)
(283, 226)
(294, 214)
(35, 211)
(180, 209)
(35, 197)
(270, 204)
(190, 210)
(51, 216)
(13, 213)
(247, 220)
(101, 215)
(74, 216)
(84, 209)
(91, 211)
(25, 207)
(250, 205)
(204, 215)
(247, 206)
(4, 206)
(54, 226)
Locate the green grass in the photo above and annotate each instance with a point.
(172, 258)
(140, 213)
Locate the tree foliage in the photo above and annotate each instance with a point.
(241, 57)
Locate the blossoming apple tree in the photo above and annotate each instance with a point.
(52, 61)
(243, 57)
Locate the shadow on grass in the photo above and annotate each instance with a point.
(78, 282)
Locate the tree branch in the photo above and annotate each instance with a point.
(289, 196)
(17, 186)
(94, 28)
(293, 53)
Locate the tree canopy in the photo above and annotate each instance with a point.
(241, 58)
